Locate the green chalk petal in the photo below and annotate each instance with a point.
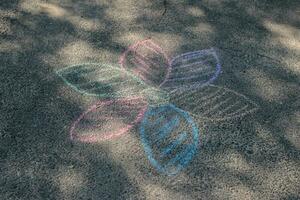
(105, 80)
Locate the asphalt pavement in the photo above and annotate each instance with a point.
(241, 125)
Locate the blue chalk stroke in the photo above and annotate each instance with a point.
(181, 157)
(169, 160)
(192, 70)
(158, 121)
(180, 138)
(168, 127)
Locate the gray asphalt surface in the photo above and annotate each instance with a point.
(254, 157)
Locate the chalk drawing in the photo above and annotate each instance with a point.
(214, 103)
(193, 70)
(148, 61)
(108, 119)
(104, 80)
(159, 93)
(170, 138)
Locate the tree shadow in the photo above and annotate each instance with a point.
(253, 64)
(245, 155)
(38, 160)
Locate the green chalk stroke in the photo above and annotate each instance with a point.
(105, 80)
(156, 96)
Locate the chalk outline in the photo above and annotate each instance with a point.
(188, 56)
(188, 156)
(187, 153)
(132, 47)
(140, 84)
(249, 101)
(97, 138)
(134, 78)
(185, 56)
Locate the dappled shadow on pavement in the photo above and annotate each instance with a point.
(255, 157)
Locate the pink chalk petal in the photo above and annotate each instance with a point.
(109, 119)
(148, 61)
